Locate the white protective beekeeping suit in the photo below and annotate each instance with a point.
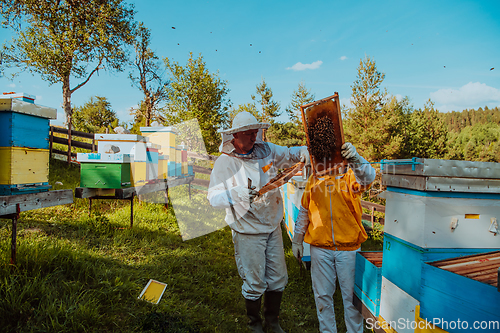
(256, 236)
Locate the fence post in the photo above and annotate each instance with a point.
(69, 138)
(51, 140)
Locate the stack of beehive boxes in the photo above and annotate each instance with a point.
(24, 144)
(122, 160)
(435, 210)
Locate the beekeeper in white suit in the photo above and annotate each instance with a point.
(254, 220)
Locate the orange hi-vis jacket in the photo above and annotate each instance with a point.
(334, 205)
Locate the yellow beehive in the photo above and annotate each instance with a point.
(163, 167)
(138, 173)
(23, 165)
(184, 168)
(163, 136)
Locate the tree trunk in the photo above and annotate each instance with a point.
(67, 99)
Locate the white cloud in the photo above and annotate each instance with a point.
(471, 95)
(12, 85)
(300, 66)
(343, 58)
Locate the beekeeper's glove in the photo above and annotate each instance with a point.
(243, 194)
(297, 245)
(304, 156)
(350, 154)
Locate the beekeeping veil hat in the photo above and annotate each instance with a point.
(243, 121)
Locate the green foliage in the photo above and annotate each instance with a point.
(480, 142)
(427, 135)
(249, 107)
(457, 121)
(288, 134)
(149, 77)
(60, 40)
(300, 97)
(388, 128)
(195, 93)
(373, 124)
(94, 116)
(269, 109)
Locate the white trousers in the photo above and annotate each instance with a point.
(326, 265)
(261, 262)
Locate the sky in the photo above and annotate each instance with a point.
(446, 51)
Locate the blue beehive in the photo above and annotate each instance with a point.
(24, 143)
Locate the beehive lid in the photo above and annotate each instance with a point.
(480, 267)
(16, 105)
(325, 110)
(441, 168)
(153, 129)
(104, 158)
(121, 137)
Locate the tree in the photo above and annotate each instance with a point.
(269, 109)
(66, 39)
(300, 97)
(375, 123)
(195, 93)
(95, 116)
(149, 79)
(249, 107)
(428, 135)
(288, 134)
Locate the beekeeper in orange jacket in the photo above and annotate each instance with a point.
(255, 221)
(330, 221)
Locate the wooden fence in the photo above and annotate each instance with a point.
(69, 141)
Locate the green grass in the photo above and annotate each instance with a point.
(81, 273)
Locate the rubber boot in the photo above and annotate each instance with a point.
(253, 313)
(272, 304)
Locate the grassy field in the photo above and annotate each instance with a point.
(81, 273)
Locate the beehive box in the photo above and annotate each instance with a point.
(164, 136)
(318, 112)
(20, 96)
(23, 130)
(163, 167)
(403, 261)
(397, 308)
(104, 158)
(429, 220)
(138, 173)
(462, 290)
(171, 168)
(17, 105)
(105, 175)
(368, 280)
(292, 194)
(126, 143)
(20, 166)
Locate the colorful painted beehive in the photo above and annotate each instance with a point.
(435, 210)
(368, 280)
(20, 96)
(123, 144)
(138, 173)
(110, 171)
(461, 294)
(24, 154)
(171, 169)
(292, 194)
(152, 161)
(161, 135)
(162, 166)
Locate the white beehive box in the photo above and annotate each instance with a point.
(123, 144)
(438, 222)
